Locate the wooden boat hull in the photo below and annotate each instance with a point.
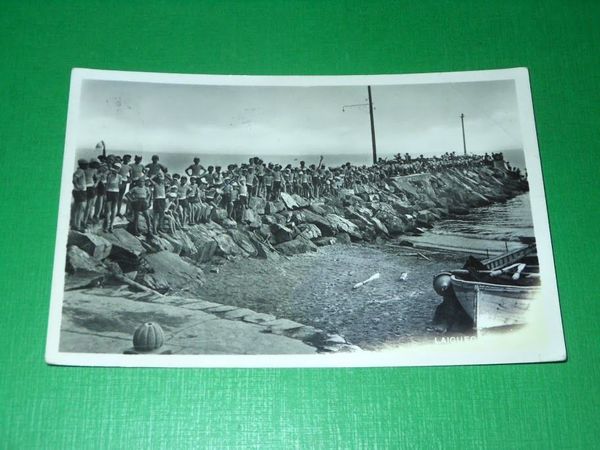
(494, 305)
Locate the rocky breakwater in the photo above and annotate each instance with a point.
(171, 263)
(174, 263)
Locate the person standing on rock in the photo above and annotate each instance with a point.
(171, 210)
(193, 201)
(100, 192)
(260, 175)
(79, 196)
(113, 183)
(268, 182)
(153, 168)
(277, 182)
(125, 172)
(316, 178)
(159, 203)
(226, 200)
(138, 196)
(242, 197)
(196, 169)
(209, 175)
(251, 181)
(90, 187)
(182, 191)
(137, 169)
(286, 179)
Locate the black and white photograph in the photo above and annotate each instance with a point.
(302, 221)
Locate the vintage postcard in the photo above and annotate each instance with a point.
(302, 221)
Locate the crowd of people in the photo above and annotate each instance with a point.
(111, 186)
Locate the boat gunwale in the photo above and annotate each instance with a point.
(491, 286)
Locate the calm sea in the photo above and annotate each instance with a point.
(492, 229)
(177, 162)
(499, 222)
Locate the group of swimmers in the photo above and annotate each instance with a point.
(104, 185)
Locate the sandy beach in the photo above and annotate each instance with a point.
(316, 289)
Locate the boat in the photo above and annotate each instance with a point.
(495, 292)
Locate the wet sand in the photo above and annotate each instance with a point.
(316, 289)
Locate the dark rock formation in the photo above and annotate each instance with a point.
(168, 272)
(288, 226)
(298, 245)
(94, 245)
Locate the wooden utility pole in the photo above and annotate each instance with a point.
(372, 126)
(462, 122)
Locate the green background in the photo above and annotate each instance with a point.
(512, 406)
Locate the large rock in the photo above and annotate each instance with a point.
(229, 224)
(80, 261)
(126, 248)
(393, 223)
(274, 207)
(309, 231)
(91, 243)
(401, 206)
(157, 244)
(262, 249)
(379, 225)
(181, 242)
(203, 238)
(325, 241)
(343, 238)
(425, 217)
(289, 201)
(327, 229)
(300, 201)
(83, 270)
(318, 208)
(257, 204)
(219, 215)
(296, 246)
(361, 221)
(269, 219)
(168, 272)
(244, 242)
(251, 218)
(344, 226)
(281, 233)
(226, 246)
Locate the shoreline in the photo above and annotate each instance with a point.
(316, 289)
(298, 259)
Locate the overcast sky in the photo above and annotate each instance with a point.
(297, 120)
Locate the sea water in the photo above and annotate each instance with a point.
(494, 228)
(178, 162)
(499, 222)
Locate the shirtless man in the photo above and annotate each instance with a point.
(196, 169)
(79, 196)
(155, 167)
(159, 203)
